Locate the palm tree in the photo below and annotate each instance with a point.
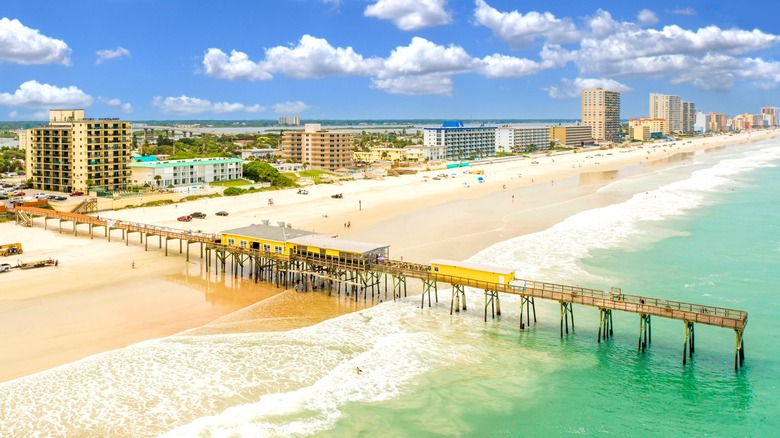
(157, 179)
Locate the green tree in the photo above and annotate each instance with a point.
(264, 172)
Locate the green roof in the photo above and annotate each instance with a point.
(182, 163)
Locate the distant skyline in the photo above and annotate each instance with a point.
(380, 59)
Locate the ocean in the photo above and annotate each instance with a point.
(702, 229)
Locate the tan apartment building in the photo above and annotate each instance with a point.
(716, 122)
(325, 150)
(654, 125)
(601, 111)
(571, 136)
(73, 152)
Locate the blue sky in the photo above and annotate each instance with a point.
(380, 59)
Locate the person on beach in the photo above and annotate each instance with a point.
(358, 370)
(132, 264)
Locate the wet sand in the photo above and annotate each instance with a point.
(96, 301)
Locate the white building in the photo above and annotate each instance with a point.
(186, 172)
(265, 153)
(427, 153)
(461, 141)
(521, 139)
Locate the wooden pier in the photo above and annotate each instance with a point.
(358, 276)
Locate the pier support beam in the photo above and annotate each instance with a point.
(739, 353)
(428, 286)
(644, 330)
(458, 293)
(605, 324)
(688, 340)
(491, 299)
(527, 303)
(566, 310)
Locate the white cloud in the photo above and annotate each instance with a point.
(238, 66)
(21, 45)
(316, 58)
(570, 89)
(503, 66)
(519, 30)
(646, 17)
(423, 67)
(32, 94)
(126, 107)
(411, 14)
(289, 107)
(684, 11)
(105, 55)
(184, 105)
(422, 57)
(434, 83)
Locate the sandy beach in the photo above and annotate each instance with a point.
(107, 295)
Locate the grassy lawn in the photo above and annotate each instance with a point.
(231, 183)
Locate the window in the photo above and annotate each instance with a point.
(243, 244)
(278, 249)
(231, 242)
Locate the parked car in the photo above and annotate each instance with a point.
(303, 192)
(198, 215)
(76, 193)
(186, 218)
(221, 213)
(41, 195)
(5, 267)
(18, 193)
(59, 198)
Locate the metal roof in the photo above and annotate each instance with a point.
(474, 266)
(328, 242)
(268, 232)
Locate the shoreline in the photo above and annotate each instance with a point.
(94, 301)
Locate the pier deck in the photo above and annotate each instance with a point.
(367, 274)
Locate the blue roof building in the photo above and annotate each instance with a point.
(461, 141)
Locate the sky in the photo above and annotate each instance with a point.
(381, 59)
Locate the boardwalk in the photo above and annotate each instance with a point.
(366, 274)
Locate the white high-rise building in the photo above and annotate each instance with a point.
(462, 141)
(688, 117)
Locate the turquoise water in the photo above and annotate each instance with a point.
(704, 230)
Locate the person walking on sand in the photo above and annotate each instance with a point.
(132, 264)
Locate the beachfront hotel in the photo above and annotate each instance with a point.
(716, 122)
(522, 139)
(601, 111)
(645, 128)
(571, 136)
(73, 152)
(460, 141)
(664, 106)
(773, 112)
(323, 150)
(154, 173)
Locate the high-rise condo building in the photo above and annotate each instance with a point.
(77, 153)
(716, 122)
(601, 111)
(461, 141)
(289, 120)
(663, 106)
(324, 150)
(688, 117)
